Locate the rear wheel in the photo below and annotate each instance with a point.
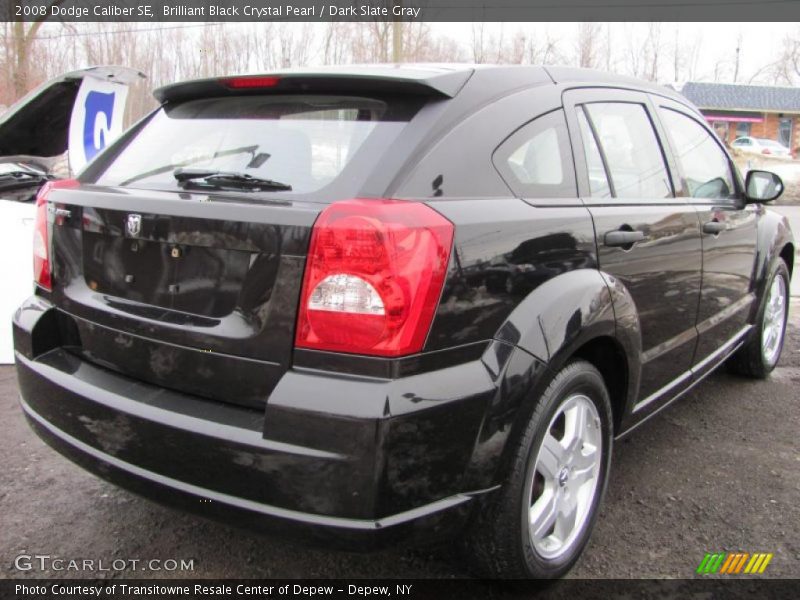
(542, 518)
(762, 351)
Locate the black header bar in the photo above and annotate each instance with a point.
(399, 10)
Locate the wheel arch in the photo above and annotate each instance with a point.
(608, 356)
(775, 241)
(587, 314)
(787, 254)
(580, 314)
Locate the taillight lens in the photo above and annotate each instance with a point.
(250, 82)
(373, 278)
(766, 151)
(41, 234)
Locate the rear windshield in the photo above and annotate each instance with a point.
(306, 142)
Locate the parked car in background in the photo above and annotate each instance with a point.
(387, 304)
(762, 147)
(38, 139)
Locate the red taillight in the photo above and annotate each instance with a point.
(766, 151)
(374, 274)
(41, 234)
(245, 83)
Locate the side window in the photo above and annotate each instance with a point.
(536, 162)
(704, 164)
(598, 180)
(632, 152)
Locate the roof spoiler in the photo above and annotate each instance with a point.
(432, 82)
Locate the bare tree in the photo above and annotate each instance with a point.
(33, 52)
(479, 42)
(488, 48)
(336, 43)
(676, 54)
(633, 59)
(692, 56)
(532, 48)
(587, 46)
(738, 56)
(653, 50)
(786, 70)
(21, 36)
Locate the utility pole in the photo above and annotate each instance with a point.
(397, 37)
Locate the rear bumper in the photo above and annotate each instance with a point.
(391, 466)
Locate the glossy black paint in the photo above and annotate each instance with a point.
(549, 241)
(726, 298)
(183, 383)
(308, 456)
(200, 305)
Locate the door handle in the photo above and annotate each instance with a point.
(714, 227)
(622, 237)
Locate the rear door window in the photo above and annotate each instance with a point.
(303, 141)
(535, 161)
(631, 150)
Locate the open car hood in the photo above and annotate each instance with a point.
(36, 129)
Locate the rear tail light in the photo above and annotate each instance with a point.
(41, 234)
(373, 277)
(766, 151)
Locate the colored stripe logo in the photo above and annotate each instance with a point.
(734, 563)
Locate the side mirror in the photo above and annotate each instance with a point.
(762, 186)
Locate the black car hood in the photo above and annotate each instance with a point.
(38, 124)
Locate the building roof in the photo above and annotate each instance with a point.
(730, 96)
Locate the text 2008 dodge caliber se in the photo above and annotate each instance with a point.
(389, 304)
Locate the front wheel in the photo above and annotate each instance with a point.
(541, 520)
(758, 357)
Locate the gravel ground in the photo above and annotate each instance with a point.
(717, 471)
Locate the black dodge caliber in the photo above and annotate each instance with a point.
(375, 305)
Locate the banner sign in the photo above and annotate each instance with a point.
(96, 119)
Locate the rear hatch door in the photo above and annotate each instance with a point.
(194, 285)
(204, 304)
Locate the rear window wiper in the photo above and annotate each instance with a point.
(227, 180)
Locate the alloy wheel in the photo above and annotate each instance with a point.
(562, 487)
(774, 321)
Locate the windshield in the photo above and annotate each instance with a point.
(770, 143)
(303, 141)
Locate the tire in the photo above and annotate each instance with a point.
(758, 357)
(499, 541)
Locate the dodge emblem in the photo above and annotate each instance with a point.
(134, 225)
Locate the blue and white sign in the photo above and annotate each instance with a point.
(96, 119)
